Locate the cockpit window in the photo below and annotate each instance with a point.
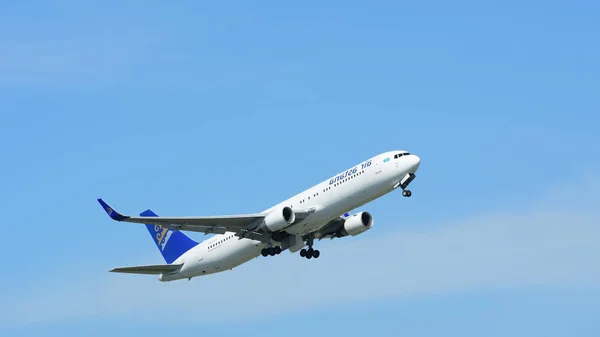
(396, 156)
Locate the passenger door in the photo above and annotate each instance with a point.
(378, 165)
(201, 252)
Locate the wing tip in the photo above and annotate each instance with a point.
(112, 213)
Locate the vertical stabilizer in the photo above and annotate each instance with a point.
(171, 243)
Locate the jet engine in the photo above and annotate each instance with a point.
(356, 224)
(278, 219)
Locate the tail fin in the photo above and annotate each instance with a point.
(172, 244)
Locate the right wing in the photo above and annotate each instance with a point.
(150, 270)
(332, 227)
(204, 224)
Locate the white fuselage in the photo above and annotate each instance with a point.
(330, 199)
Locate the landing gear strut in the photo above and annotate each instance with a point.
(270, 251)
(310, 252)
(404, 184)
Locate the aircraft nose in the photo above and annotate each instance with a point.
(415, 161)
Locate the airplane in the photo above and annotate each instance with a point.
(320, 212)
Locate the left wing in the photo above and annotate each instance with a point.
(204, 224)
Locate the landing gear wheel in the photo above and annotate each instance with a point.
(264, 252)
(406, 193)
(303, 252)
(277, 250)
(271, 251)
(309, 253)
(316, 254)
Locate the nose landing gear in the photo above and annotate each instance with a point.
(404, 184)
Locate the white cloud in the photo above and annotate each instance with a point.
(554, 247)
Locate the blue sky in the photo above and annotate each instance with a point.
(205, 109)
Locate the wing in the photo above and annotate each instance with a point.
(204, 224)
(150, 270)
(332, 228)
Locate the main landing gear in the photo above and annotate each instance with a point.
(270, 251)
(407, 193)
(310, 252)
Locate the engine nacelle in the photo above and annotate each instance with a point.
(278, 219)
(356, 224)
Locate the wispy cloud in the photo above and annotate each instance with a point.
(552, 247)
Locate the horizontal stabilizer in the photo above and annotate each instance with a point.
(150, 270)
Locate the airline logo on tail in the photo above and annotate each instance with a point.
(162, 236)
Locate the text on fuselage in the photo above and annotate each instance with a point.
(349, 172)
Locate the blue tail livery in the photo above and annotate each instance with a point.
(172, 244)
